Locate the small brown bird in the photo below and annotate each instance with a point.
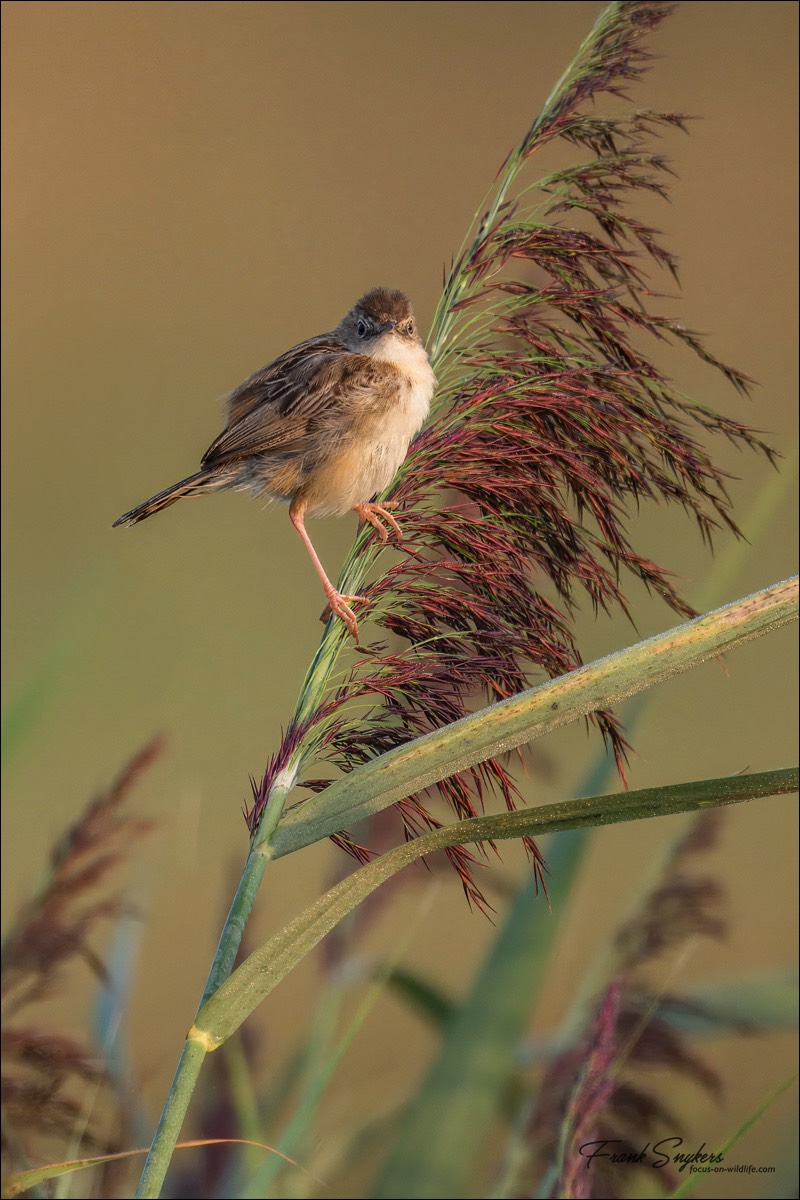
(325, 426)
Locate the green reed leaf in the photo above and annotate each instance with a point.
(510, 723)
(263, 970)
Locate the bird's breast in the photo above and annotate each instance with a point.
(368, 458)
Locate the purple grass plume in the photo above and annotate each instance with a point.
(600, 1087)
(45, 1075)
(551, 426)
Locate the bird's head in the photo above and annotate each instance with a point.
(376, 321)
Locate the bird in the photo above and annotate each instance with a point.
(324, 427)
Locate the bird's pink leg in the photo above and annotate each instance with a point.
(336, 601)
(371, 513)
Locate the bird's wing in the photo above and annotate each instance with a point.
(271, 410)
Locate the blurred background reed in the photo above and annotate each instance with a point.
(190, 189)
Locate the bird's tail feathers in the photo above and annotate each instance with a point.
(194, 485)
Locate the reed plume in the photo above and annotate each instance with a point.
(45, 1073)
(599, 1088)
(551, 426)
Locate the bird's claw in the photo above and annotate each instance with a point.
(376, 514)
(339, 605)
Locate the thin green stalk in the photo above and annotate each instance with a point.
(691, 1181)
(191, 1060)
(172, 1117)
(235, 923)
(187, 1071)
(245, 897)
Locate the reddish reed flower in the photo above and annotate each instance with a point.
(596, 1090)
(551, 426)
(45, 1074)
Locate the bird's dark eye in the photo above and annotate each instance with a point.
(362, 329)
(410, 327)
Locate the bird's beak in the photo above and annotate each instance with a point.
(388, 326)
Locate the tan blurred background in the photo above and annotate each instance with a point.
(190, 189)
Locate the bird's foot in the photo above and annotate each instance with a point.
(376, 514)
(339, 605)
